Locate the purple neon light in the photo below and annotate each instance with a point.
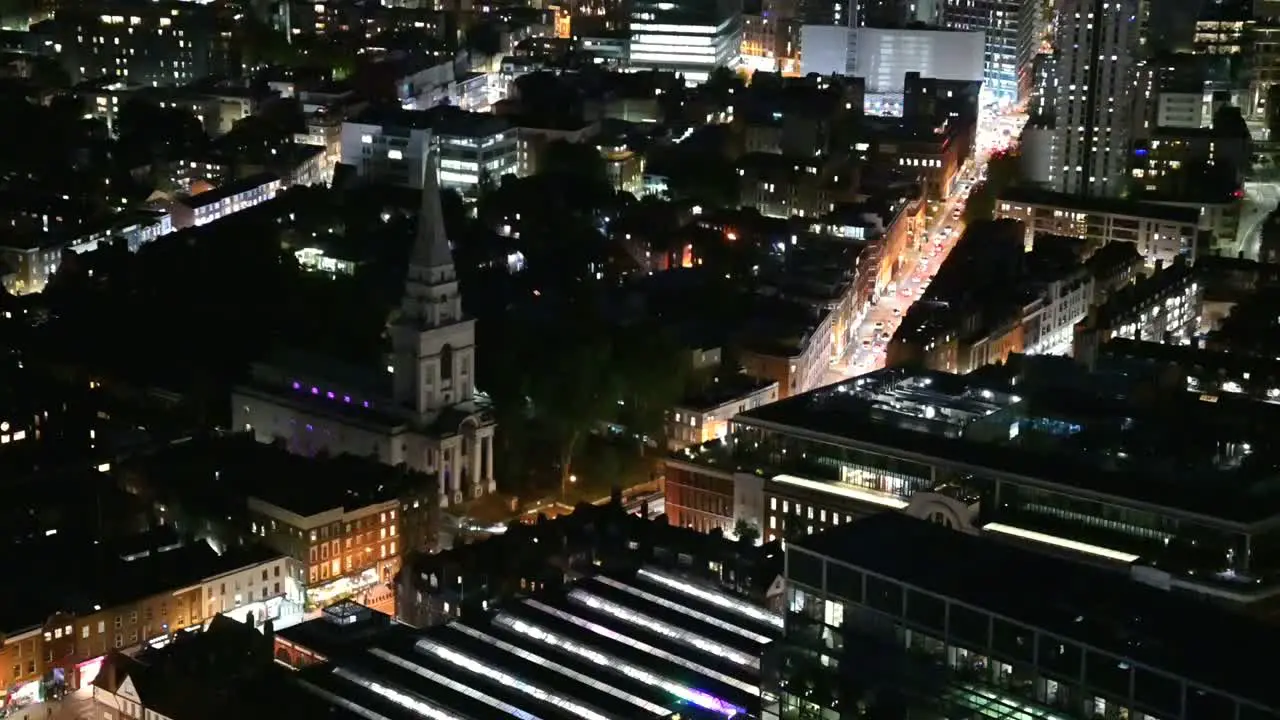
(712, 703)
(329, 394)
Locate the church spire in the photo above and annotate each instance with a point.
(431, 246)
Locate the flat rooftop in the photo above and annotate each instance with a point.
(1194, 639)
(613, 646)
(303, 485)
(1112, 206)
(1118, 434)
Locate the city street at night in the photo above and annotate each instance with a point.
(867, 351)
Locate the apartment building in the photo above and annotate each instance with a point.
(123, 594)
(1097, 42)
(1161, 233)
(153, 44)
(706, 415)
(349, 543)
(1164, 307)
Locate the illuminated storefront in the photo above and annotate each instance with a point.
(25, 694)
(88, 670)
(343, 588)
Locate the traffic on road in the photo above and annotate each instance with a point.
(997, 132)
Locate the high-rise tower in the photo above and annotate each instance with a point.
(1096, 74)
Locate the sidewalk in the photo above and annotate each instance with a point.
(75, 706)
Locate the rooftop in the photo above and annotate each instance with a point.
(1194, 639)
(723, 390)
(95, 574)
(303, 485)
(1116, 435)
(628, 645)
(1113, 206)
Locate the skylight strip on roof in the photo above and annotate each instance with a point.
(453, 685)
(341, 702)
(404, 700)
(684, 637)
(566, 671)
(684, 610)
(1060, 542)
(644, 647)
(639, 674)
(467, 662)
(845, 491)
(727, 602)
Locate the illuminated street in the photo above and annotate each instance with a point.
(867, 352)
(75, 706)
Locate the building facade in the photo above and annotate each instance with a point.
(1096, 71)
(1161, 233)
(883, 56)
(997, 648)
(685, 37)
(1011, 29)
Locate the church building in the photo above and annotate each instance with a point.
(420, 410)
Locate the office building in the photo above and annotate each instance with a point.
(1042, 450)
(1006, 632)
(391, 145)
(686, 37)
(883, 56)
(1096, 71)
(1011, 29)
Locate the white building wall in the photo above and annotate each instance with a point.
(379, 156)
(824, 49)
(883, 56)
(280, 577)
(306, 432)
(1183, 110)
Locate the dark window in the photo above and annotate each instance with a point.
(446, 362)
(1111, 675)
(927, 611)
(884, 595)
(1157, 692)
(970, 627)
(1059, 658)
(1012, 641)
(804, 568)
(1205, 704)
(844, 582)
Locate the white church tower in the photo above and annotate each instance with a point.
(433, 344)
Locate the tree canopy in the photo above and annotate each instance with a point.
(1004, 170)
